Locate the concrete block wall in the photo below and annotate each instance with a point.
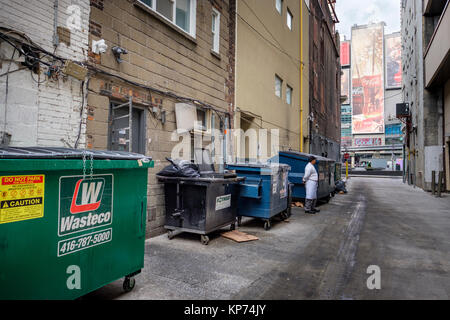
(40, 111)
(425, 147)
(162, 58)
(412, 37)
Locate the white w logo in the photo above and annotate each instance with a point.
(90, 192)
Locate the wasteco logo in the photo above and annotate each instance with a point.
(84, 203)
(89, 196)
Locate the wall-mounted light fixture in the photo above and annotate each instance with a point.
(118, 51)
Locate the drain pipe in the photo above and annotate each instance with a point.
(55, 23)
(301, 76)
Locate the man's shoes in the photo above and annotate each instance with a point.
(310, 212)
(316, 210)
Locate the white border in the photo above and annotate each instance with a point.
(83, 235)
(59, 203)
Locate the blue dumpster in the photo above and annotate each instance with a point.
(298, 161)
(264, 192)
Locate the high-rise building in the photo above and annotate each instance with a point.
(371, 79)
(426, 88)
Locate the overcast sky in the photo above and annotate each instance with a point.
(360, 12)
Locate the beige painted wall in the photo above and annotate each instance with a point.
(265, 48)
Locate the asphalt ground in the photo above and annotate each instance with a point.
(381, 222)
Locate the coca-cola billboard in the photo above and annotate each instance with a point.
(393, 61)
(367, 79)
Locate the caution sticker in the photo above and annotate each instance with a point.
(21, 198)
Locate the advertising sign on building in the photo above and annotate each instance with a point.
(393, 61)
(345, 85)
(346, 141)
(368, 142)
(345, 53)
(367, 79)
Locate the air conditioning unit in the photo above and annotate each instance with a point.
(402, 110)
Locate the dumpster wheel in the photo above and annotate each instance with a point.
(204, 239)
(128, 284)
(267, 225)
(239, 221)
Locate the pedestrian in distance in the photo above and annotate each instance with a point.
(311, 181)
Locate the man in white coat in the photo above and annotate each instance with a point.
(311, 181)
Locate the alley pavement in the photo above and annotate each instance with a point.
(381, 221)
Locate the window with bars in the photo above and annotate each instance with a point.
(119, 130)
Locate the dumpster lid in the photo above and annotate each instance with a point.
(66, 153)
(305, 155)
(259, 165)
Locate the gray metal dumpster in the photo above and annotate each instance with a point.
(201, 205)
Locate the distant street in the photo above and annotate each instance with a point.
(381, 221)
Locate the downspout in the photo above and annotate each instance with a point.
(301, 76)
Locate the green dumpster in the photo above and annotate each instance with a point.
(71, 221)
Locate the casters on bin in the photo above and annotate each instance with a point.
(239, 221)
(128, 284)
(284, 215)
(289, 211)
(233, 227)
(170, 234)
(204, 239)
(267, 225)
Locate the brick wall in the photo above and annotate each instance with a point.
(160, 57)
(324, 83)
(48, 113)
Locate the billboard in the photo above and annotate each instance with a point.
(367, 79)
(345, 53)
(346, 141)
(345, 85)
(368, 142)
(393, 61)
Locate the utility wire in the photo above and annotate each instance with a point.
(296, 61)
(6, 91)
(262, 23)
(261, 127)
(161, 92)
(97, 70)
